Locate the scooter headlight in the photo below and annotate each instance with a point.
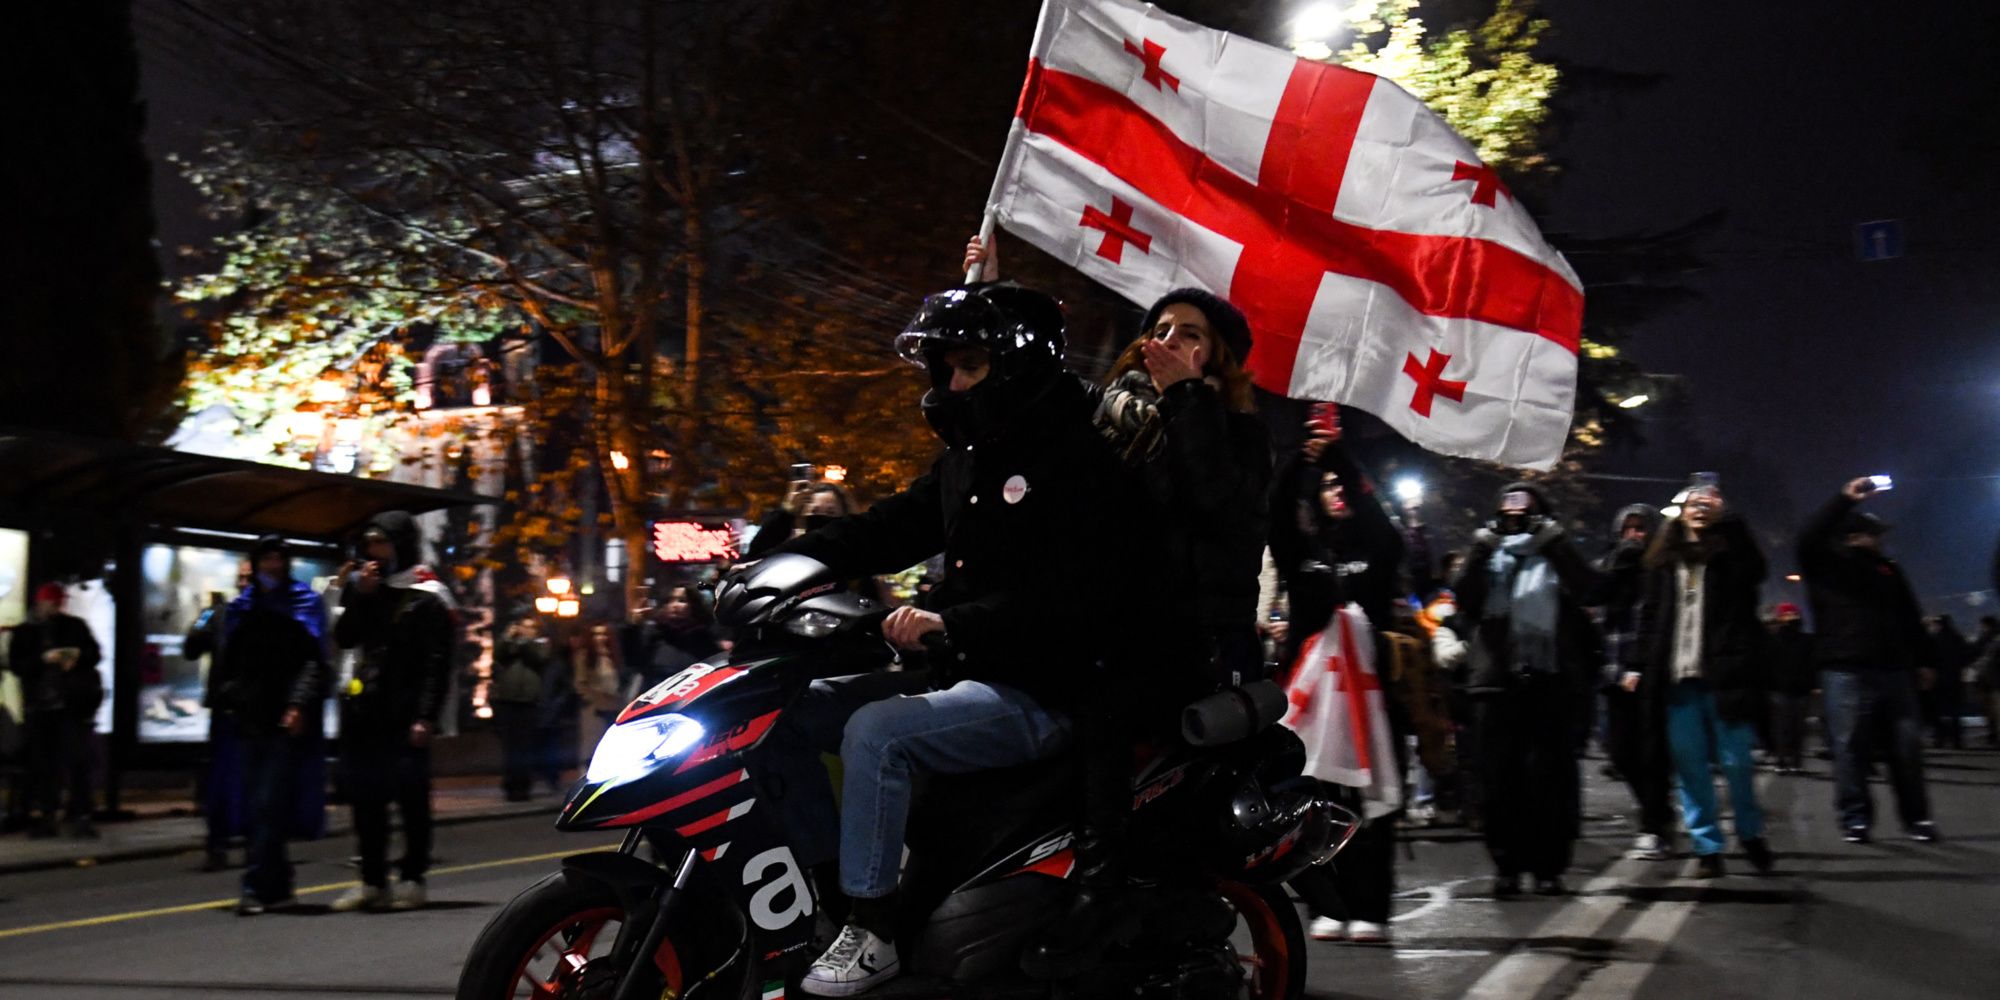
(641, 743)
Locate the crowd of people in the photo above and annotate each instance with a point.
(1499, 659)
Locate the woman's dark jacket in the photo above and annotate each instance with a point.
(1324, 563)
(1734, 661)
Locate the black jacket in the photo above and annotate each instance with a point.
(46, 687)
(1733, 662)
(1864, 615)
(1325, 566)
(405, 636)
(1039, 570)
(671, 650)
(1622, 598)
(269, 661)
(1579, 647)
(1791, 652)
(1212, 480)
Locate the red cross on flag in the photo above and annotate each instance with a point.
(1380, 262)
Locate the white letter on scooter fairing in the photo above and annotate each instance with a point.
(763, 909)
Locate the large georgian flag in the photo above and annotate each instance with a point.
(1380, 263)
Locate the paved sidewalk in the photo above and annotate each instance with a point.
(166, 824)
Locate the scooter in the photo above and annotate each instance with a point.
(705, 898)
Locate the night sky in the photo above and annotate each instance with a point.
(1805, 366)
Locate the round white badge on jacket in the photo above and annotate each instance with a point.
(1015, 488)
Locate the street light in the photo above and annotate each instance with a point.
(1410, 489)
(835, 473)
(568, 607)
(1634, 402)
(1316, 28)
(558, 585)
(545, 604)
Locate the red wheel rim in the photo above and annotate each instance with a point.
(572, 955)
(1270, 961)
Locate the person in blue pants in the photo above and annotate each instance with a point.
(1702, 648)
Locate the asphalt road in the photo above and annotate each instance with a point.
(1836, 921)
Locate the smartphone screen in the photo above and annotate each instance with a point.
(1882, 483)
(802, 472)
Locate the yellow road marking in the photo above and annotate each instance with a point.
(223, 904)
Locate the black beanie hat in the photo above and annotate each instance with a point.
(268, 544)
(1226, 319)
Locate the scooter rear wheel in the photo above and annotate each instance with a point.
(1270, 940)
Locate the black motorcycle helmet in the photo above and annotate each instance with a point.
(1021, 331)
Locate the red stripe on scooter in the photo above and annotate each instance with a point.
(688, 797)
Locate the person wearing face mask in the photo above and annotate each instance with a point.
(1535, 654)
(1703, 653)
(1635, 733)
(808, 505)
(1870, 645)
(271, 679)
(400, 618)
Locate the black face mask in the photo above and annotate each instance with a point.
(814, 522)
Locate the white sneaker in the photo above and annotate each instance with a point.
(1648, 847)
(858, 962)
(1328, 929)
(361, 897)
(407, 895)
(1367, 932)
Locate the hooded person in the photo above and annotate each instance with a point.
(271, 680)
(1634, 732)
(1703, 658)
(398, 617)
(1534, 659)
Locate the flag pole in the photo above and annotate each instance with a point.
(1016, 132)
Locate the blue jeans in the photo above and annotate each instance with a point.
(270, 777)
(888, 728)
(1697, 734)
(1871, 714)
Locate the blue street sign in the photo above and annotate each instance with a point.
(1879, 240)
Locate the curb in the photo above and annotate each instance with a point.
(339, 829)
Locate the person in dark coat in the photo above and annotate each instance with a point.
(1335, 543)
(1869, 645)
(1793, 680)
(1702, 648)
(1986, 674)
(681, 634)
(271, 679)
(221, 783)
(1025, 504)
(1535, 656)
(1947, 687)
(1635, 727)
(399, 616)
(56, 657)
(521, 660)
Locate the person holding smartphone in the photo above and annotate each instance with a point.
(1703, 658)
(1870, 646)
(1521, 596)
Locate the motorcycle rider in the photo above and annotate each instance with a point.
(1023, 503)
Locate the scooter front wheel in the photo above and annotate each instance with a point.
(553, 942)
